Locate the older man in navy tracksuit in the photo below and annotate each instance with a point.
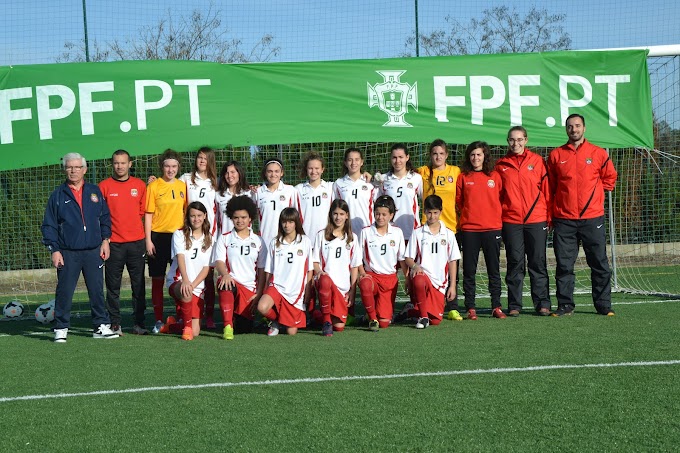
(76, 230)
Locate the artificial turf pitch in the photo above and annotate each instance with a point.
(493, 392)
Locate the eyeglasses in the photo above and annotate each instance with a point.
(74, 168)
(519, 140)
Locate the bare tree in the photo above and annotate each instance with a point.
(500, 30)
(202, 36)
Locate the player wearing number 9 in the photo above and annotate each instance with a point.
(191, 251)
(383, 247)
(288, 272)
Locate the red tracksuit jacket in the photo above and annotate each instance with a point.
(525, 197)
(478, 201)
(578, 179)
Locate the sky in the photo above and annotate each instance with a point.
(34, 31)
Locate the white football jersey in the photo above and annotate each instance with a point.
(405, 192)
(202, 190)
(360, 196)
(288, 265)
(270, 204)
(224, 223)
(434, 252)
(314, 206)
(241, 256)
(195, 259)
(381, 253)
(337, 258)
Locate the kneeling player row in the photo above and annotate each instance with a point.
(277, 279)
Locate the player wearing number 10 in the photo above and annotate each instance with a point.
(165, 202)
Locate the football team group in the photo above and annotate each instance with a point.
(319, 242)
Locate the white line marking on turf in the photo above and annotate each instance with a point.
(335, 379)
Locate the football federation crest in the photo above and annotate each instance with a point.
(443, 242)
(530, 167)
(324, 195)
(282, 198)
(589, 161)
(409, 186)
(133, 192)
(491, 183)
(393, 97)
(299, 252)
(392, 243)
(450, 179)
(94, 198)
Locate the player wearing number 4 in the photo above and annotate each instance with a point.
(382, 246)
(191, 251)
(432, 255)
(337, 256)
(356, 191)
(238, 257)
(288, 272)
(272, 198)
(165, 202)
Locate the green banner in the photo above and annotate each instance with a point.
(148, 106)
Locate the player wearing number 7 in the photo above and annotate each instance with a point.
(272, 198)
(432, 255)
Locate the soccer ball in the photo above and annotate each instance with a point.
(13, 309)
(44, 314)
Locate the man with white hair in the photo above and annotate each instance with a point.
(77, 229)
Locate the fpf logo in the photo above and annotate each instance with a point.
(393, 97)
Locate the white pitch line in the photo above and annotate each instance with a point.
(336, 379)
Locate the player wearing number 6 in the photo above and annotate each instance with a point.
(238, 257)
(405, 187)
(337, 256)
(432, 255)
(288, 272)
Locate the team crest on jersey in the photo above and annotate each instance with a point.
(530, 167)
(133, 192)
(324, 195)
(181, 194)
(450, 179)
(299, 252)
(252, 244)
(409, 185)
(94, 198)
(491, 183)
(282, 198)
(364, 187)
(589, 161)
(348, 246)
(392, 243)
(443, 242)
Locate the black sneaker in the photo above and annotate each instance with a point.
(403, 314)
(327, 329)
(562, 311)
(422, 323)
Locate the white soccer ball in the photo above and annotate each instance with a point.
(13, 309)
(44, 314)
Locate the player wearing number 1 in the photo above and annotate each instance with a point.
(405, 187)
(165, 202)
(201, 186)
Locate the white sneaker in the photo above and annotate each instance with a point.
(273, 329)
(157, 327)
(104, 331)
(60, 335)
(422, 323)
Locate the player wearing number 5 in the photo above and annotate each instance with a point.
(166, 199)
(405, 187)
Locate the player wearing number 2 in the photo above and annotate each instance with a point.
(405, 187)
(288, 272)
